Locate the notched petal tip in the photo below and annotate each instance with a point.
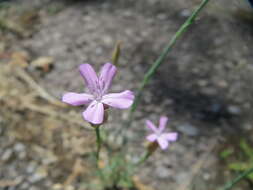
(90, 76)
(121, 100)
(109, 64)
(162, 123)
(107, 73)
(163, 117)
(172, 136)
(84, 65)
(151, 126)
(163, 143)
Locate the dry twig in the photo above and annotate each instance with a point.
(76, 171)
(41, 91)
(51, 112)
(197, 166)
(9, 183)
(139, 185)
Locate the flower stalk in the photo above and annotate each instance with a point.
(99, 142)
(232, 183)
(150, 150)
(184, 27)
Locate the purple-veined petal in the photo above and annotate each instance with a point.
(94, 113)
(162, 123)
(76, 99)
(151, 126)
(151, 138)
(90, 77)
(162, 142)
(107, 74)
(170, 136)
(121, 100)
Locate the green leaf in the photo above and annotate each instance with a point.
(250, 176)
(239, 166)
(226, 153)
(246, 149)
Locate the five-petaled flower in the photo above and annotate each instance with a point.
(98, 99)
(158, 135)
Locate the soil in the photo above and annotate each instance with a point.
(204, 87)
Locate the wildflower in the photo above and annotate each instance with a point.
(98, 100)
(158, 135)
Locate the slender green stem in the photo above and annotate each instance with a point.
(151, 148)
(99, 141)
(161, 58)
(232, 183)
(144, 158)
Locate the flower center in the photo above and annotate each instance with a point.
(98, 97)
(98, 92)
(159, 133)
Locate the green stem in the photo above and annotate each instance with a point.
(232, 183)
(97, 129)
(161, 58)
(144, 158)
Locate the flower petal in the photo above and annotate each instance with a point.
(94, 113)
(76, 99)
(151, 137)
(90, 77)
(107, 74)
(121, 100)
(151, 126)
(162, 142)
(170, 136)
(162, 123)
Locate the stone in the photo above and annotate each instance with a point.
(234, 110)
(7, 155)
(188, 129)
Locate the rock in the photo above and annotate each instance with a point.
(57, 186)
(183, 176)
(162, 172)
(215, 108)
(34, 188)
(188, 129)
(185, 13)
(19, 147)
(161, 16)
(7, 155)
(48, 156)
(40, 174)
(234, 110)
(247, 126)
(24, 186)
(31, 167)
(206, 176)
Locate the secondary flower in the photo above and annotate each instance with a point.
(98, 99)
(159, 135)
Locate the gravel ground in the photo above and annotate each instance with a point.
(204, 87)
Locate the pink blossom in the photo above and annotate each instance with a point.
(159, 135)
(98, 99)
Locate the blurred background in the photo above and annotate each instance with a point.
(204, 87)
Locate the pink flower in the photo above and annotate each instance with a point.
(98, 99)
(158, 134)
